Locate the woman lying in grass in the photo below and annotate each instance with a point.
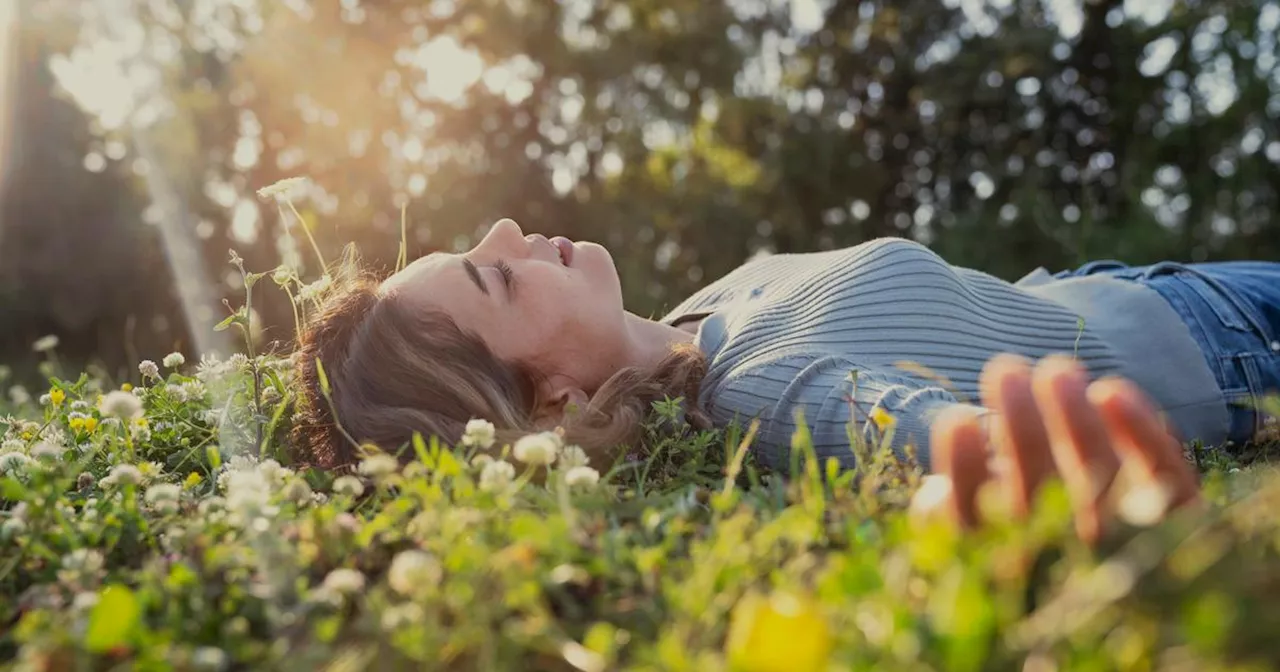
(531, 334)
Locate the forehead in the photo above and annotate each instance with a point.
(421, 269)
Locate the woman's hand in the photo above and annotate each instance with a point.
(1051, 420)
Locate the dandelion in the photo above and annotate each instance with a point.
(148, 369)
(123, 474)
(573, 456)
(479, 433)
(379, 465)
(173, 360)
(413, 570)
(284, 189)
(344, 581)
(349, 486)
(45, 344)
(496, 475)
(118, 404)
(537, 449)
(582, 477)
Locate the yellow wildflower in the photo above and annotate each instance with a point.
(57, 396)
(83, 424)
(127, 387)
(882, 418)
(193, 479)
(783, 632)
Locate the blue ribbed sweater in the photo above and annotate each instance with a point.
(784, 333)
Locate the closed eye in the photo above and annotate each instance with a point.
(508, 275)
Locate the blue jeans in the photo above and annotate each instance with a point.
(1233, 311)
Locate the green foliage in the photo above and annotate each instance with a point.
(161, 540)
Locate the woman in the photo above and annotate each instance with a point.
(531, 334)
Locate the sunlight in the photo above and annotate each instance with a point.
(449, 68)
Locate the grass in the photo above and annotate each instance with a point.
(209, 552)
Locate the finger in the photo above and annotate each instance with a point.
(959, 450)
(1017, 428)
(1139, 434)
(1077, 439)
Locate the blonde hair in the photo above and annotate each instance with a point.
(394, 371)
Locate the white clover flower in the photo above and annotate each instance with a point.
(19, 395)
(379, 465)
(45, 344)
(13, 446)
(12, 528)
(298, 491)
(162, 492)
(401, 615)
(581, 477)
(479, 433)
(315, 290)
(284, 189)
(413, 570)
(82, 560)
(46, 399)
(249, 496)
(348, 485)
(119, 404)
(176, 392)
(173, 360)
(79, 405)
(273, 472)
(573, 456)
(238, 361)
(537, 449)
(344, 581)
(497, 474)
(47, 451)
(123, 474)
(148, 369)
(14, 463)
(209, 658)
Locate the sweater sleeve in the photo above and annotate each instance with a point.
(830, 391)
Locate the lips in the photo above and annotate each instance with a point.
(565, 246)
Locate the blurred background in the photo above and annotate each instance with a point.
(685, 135)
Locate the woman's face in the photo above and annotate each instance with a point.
(554, 305)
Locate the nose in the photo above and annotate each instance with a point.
(505, 236)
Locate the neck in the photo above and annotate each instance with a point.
(649, 340)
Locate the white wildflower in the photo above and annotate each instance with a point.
(173, 360)
(209, 658)
(12, 527)
(235, 464)
(119, 404)
(249, 496)
(298, 491)
(479, 433)
(344, 581)
(45, 344)
(379, 465)
(348, 485)
(163, 497)
(83, 560)
(573, 456)
(1145, 505)
(123, 474)
(496, 475)
(19, 395)
(47, 451)
(46, 399)
(315, 290)
(13, 446)
(148, 369)
(273, 472)
(284, 189)
(14, 463)
(238, 361)
(401, 615)
(282, 275)
(195, 390)
(413, 570)
(79, 405)
(582, 476)
(177, 393)
(481, 460)
(537, 449)
(84, 601)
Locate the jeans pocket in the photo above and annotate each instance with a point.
(1229, 310)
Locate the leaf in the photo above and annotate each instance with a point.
(113, 620)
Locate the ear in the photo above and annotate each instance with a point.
(559, 400)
